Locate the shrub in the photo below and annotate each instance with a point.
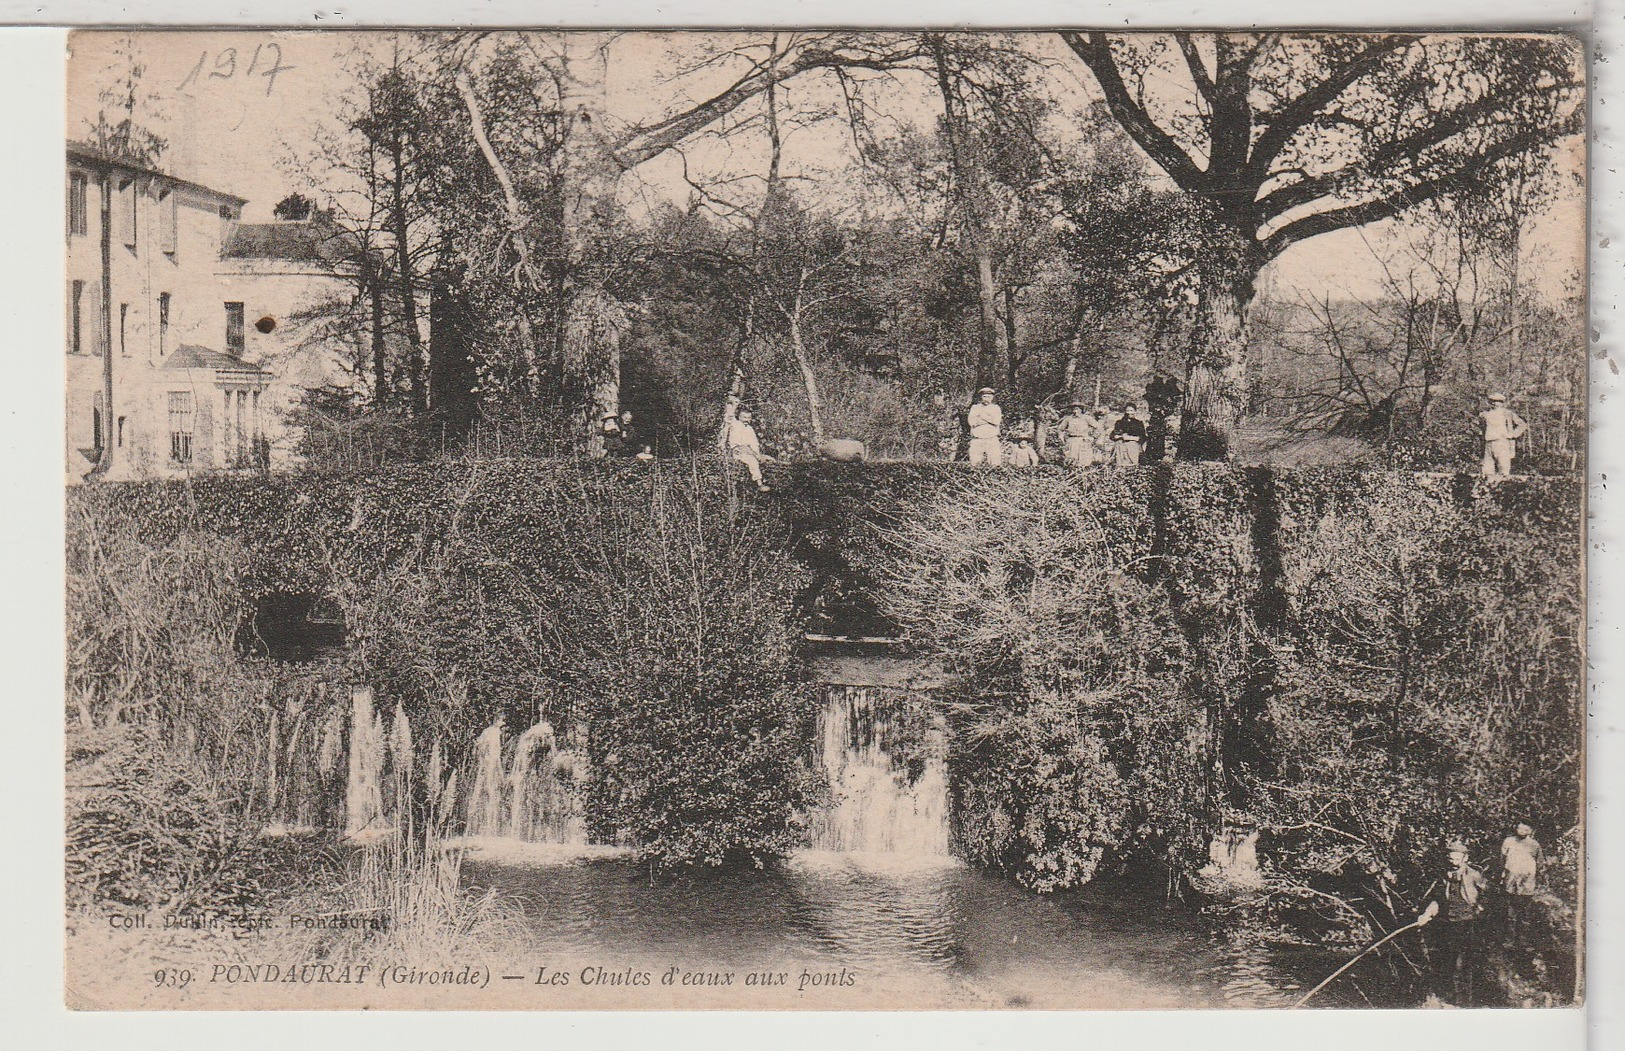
(639, 609)
(1070, 735)
(698, 722)
(145, 829)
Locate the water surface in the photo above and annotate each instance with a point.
(907, 932)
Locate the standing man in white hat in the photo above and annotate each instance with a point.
(984, 419)
(1502, 428)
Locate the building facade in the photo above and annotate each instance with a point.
(180, 358)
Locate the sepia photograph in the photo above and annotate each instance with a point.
(824, 519)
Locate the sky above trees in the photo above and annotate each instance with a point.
(240, 110)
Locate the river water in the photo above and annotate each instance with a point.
(866, 931)
(873, 914)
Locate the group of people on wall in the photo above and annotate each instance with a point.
(1102, 436)
(1136, 434)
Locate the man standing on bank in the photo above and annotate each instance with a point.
(1128, 437)
(1502, 428)
(1520, 871)
(1456, 931)
(984, 420)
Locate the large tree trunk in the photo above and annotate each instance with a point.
(815, 405)
(451, 368)
(1216, 373)
(992, 352)
(593, 318)
(1012, 363)
(405, 278)
(969, 185)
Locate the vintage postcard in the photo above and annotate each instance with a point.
(824, 519)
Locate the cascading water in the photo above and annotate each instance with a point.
(363, 798)
(486, 798)
(533, 798)
(541, 793)
(881, 804)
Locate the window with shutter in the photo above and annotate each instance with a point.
(126, 212)
(76, 318)
(93, 320)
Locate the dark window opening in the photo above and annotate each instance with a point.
(163, 324)
(295, 627)
(78, 211)
(127, 204)
(168, 221)
(234, 327)
(77, 326)
(180, 427)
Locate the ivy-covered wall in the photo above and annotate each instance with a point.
(1310, 633)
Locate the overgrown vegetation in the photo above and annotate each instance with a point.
(1360, 666)
(1355, 664)
(639, 610)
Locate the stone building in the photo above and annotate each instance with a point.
(188, 332)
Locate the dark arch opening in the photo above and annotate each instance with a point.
(295, 627)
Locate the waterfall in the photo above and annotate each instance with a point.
(363, 798)
(541, 796)
(877, 808)
(533, 798)
(485, 800)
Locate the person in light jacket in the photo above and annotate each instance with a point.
(744, 447)
(1502, 429)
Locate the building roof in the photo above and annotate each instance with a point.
(197, 357)
(303, 241)
(94, 155)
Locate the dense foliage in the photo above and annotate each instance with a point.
(1358, 665)
(641, 611)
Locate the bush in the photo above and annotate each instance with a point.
(1195, 643)
(1435, 686)
(146, 831)
(1358, 663)
(638, 609)
(1071, 737)
(686, 636)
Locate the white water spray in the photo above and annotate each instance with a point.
(877, 808)
(533, 798)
